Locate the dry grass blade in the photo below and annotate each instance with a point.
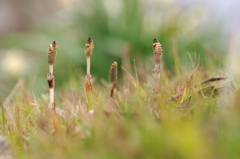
(3, 114)
(213, 79)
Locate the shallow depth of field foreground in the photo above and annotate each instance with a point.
(192, 113)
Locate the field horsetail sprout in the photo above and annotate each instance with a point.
(113, 78)
(51, 55)
(157, 52)
(88, 53)
(88, 49)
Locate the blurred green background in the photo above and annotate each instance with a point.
(28, 27)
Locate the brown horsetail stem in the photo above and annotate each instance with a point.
(50, 79)
(157, 52)
(88, 83)
(113, 78)
(88, 49)
(51, 55)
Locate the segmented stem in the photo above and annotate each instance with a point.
(51, 56)
(51, 82)
(157, 53)
(88, 49)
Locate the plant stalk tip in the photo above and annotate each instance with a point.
(54, 44)
(89, 39)
(155, 40)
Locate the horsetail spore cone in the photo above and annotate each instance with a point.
(89, 47)
(113, 78)
(51, 55)
(52, 52)
(113, 73)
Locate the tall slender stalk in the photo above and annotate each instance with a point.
(51, 55)
(113, 78)
(157, 53)
(88, 49)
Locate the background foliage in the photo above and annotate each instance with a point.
(177, 122)
(115, 25)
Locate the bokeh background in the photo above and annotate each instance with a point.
(122, 30)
